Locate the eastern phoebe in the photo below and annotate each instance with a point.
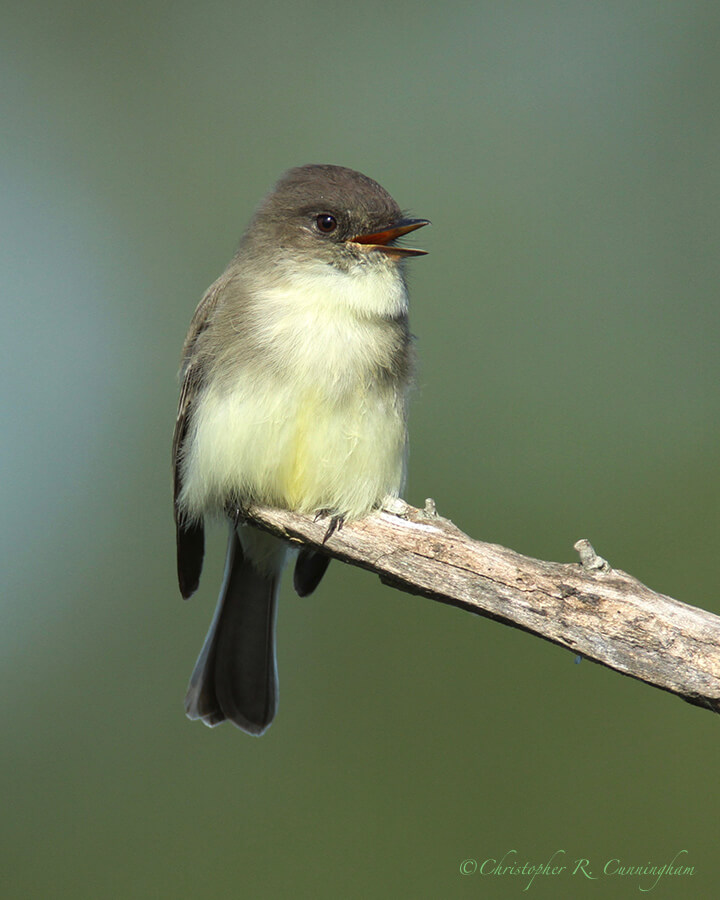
(295, 376)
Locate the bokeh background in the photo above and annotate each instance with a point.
(567, 320)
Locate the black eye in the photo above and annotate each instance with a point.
(326, 223)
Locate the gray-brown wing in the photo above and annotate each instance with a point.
(190, 535)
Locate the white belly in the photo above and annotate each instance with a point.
(311, 428)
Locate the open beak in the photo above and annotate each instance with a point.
(381, 240)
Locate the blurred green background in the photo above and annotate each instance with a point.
(567, 320)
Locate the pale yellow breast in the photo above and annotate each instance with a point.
(313, 431)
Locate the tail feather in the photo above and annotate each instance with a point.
(235, 677)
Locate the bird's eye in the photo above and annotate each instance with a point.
(326, 223)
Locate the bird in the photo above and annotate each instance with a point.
(295, 377)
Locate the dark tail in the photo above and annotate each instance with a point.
(235, 677)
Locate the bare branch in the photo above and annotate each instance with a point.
(603, 614)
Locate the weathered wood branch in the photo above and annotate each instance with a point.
(601, 613)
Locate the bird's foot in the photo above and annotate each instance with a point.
(237, 513)
(336, 522)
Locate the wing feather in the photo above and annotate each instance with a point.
(190, 534)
